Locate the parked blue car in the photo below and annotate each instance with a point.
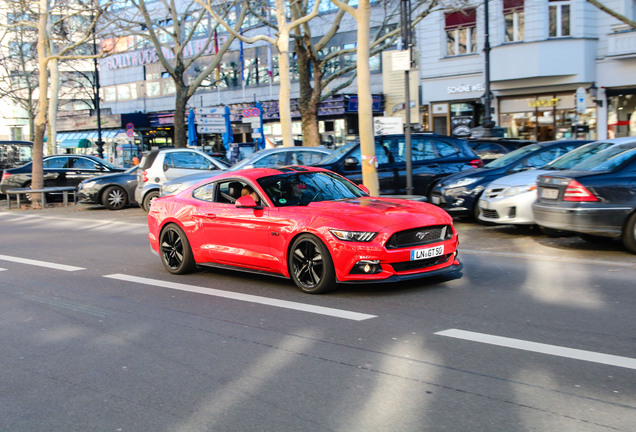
(459, 193)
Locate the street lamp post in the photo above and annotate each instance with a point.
(487, 123)
(405, 13)
(99, 143)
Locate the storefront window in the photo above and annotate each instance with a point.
(545, 118)
(621, 119)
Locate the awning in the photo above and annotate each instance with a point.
(76, 139)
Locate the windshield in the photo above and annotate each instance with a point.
(337, 153)
(608, 159)
(577, 156)
(303, 188)
(513, 156)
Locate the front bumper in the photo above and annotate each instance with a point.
(508, 210)
(457, 201)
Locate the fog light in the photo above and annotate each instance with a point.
(367, 267)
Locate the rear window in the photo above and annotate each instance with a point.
(148, 159)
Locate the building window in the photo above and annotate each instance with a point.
(559, 18)
(461, 34)
(514, 19)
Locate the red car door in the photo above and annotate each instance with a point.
(235, 236)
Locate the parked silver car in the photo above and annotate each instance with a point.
(159, 166)
(278, 156)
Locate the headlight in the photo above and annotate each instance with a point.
(357, 236)
(518, 190)
(87, 185)
(171, 189)
(463, 182)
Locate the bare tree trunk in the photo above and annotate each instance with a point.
(365, 101)
(309, 97)
(40, 119)
(52, 115)
(180, 138)
(284, 104)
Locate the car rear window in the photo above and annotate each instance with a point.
(148, 159)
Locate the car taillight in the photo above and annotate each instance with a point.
(144, 176)
(476, 163)
(575, 191)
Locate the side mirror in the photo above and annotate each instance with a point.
(351, 162)
(364, 189)
(246, 202)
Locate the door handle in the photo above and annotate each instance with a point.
(206, 215)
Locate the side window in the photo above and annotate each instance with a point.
(205, 192)
(445, 148)
(189, 161)
(271, 160)
(59, 162)
(86, 164)
(307, 158)
(383, 152)
(422, 149)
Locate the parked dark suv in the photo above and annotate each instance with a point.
(433, 156)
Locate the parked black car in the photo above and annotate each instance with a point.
(489, 149)
(113, 191)
(58, 170)
(596, 199)
(433, 157)
(459, 193)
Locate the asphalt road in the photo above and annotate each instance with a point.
(537, 335)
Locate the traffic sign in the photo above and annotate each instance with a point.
(581, 98)
(130, 126)
(130, 132)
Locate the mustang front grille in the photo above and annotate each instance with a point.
(419, 236)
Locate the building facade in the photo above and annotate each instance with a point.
(557, 68)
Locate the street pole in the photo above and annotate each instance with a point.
(99, 143)
(487, 123)
(405, 13)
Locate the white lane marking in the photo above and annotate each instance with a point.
(27, 261)
(548, 258)
(338, 313)
(590, 356)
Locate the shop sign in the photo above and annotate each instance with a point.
(465, 88)
(543, 103)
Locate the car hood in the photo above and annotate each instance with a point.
(372, 213)
(520, 178)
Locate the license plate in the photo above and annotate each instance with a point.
(419, 254)
(548, 193)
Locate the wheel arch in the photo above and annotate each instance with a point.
(329, 244)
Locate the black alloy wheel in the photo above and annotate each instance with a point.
(114, 198)
(310, 265)
(175, 251)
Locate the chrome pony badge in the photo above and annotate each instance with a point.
(421, 235)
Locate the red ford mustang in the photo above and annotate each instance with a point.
(303, 223)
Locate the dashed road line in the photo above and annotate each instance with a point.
(337, 313)
(46, 264)
(555, 350)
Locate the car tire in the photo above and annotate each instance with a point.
(114, 198)
(310, 265)
(629, 234)
(175, 251)
(149, 198)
